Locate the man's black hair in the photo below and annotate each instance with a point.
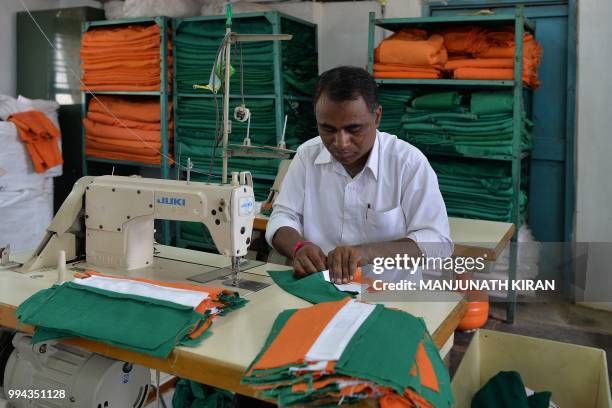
(346, 84)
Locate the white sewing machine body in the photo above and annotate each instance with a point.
(110, 220)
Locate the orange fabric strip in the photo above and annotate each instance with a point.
(427, 373)
(298, 335)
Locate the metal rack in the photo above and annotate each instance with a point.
(275, 23)
(521, 93)
(163, 94)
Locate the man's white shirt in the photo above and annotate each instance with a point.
(395, 196)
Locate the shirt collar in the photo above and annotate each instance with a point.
(324, 157)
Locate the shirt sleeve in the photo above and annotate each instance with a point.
(288, 208)
(425, 211)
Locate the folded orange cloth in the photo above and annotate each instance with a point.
(104, 119)
(412, 47)
(122, 58)
(141, 110)
(407, 75)
(119, 132)
(479, 63)
(407, 68)
(470, 40)
(104, 154)
(40, 137)
(124, 34)
(484, 73)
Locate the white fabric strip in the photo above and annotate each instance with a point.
(346, 287)
(319, 366)
(339, 331)
(184, 297)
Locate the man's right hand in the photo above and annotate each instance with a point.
(309, 259)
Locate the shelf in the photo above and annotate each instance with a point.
(143, 93)
(122, 162)
(122, 21)
(395, 24)
(507, 158)
(446, 82)
(234, 96)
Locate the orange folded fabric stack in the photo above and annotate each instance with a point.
(123, 129)
(122, 59)
(476, 53)
(40, 137)
(410, 53)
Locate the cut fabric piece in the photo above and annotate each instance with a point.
(312, 288)
(41, 137)
(383, 354)
(121, 317)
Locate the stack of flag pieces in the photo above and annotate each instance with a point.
(346, 351)
(141, 315)
(123, 58)
(41, 138)
(120, 128)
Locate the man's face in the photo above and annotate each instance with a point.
(347, 129)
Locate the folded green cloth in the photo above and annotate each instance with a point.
(485, 103)
(312, 288)
(190, 394)
(506, 390)
(136, 323)
(438, 100)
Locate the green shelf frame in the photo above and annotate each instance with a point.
(279, 95)
(163, 94)
(445, 82)
(520, 23)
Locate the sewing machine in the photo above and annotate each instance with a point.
(110, 221)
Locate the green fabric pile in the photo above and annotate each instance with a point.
(506, 390)
(478, 189)
(381, 360)
(142, 324)
(190, 394)
(197, 42)
(479, 124)
(393, 101)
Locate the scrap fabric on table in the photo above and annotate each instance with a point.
(346, 351)
(146, 316)
(316, 287)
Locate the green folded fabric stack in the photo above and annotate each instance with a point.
(142, 324)
(478, 189)
(393, 101)
(190, 394)
(197, 42)
(477, 124)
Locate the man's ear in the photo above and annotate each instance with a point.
(377, 115)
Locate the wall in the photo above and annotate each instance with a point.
(594, 141)
(8, 40)
(343, 26)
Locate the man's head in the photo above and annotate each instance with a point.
(348, 113)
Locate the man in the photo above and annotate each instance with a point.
(353, 193)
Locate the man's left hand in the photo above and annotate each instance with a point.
(343, 261)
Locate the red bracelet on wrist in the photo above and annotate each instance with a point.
(299, 245)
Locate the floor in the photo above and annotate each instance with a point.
(564, 322)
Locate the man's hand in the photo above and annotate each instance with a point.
(309, 259)
(343, 261)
